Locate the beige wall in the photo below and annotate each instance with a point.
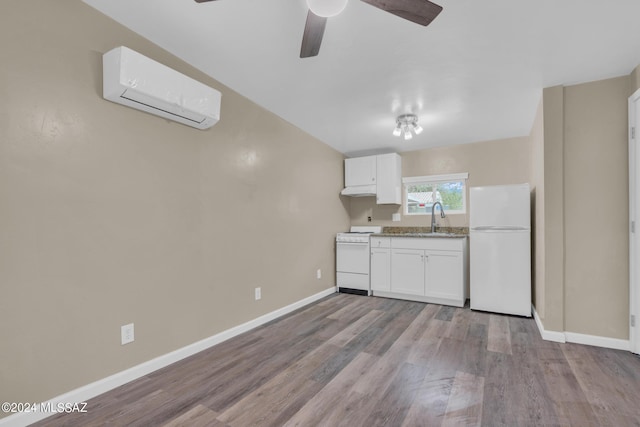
(596, 192)
(553, 217)
(634, 79)
(109, 215)
(503, 161)
(585, 218)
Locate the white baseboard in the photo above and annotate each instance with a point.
(573, 337)
(96, 388)
(547, 335)
(614, 343)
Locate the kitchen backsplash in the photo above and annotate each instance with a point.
(364, 207)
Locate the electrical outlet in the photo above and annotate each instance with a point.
(258, 293)
(126, 334)
(319, 274)
(368, 219)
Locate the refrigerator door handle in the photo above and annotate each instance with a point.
(499, 228)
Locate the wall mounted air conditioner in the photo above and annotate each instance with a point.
(136, 81)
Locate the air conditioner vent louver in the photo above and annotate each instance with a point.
(136, 81)
(152, 103)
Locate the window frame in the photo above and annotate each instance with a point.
(435, 180)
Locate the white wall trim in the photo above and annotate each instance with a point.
(614, 343)
(96, 388)
(576, 338)
(547, 335)
(435, 178)
(634, 283)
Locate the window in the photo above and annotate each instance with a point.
(421, 192)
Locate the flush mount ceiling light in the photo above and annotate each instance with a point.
(405, 124)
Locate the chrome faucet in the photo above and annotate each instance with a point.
(433, 216)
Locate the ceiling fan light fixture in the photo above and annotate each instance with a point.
(421, 12)
(407, 134)
(417, 129)
(397, 131)
(327, 8)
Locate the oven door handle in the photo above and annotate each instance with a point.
(353, 243)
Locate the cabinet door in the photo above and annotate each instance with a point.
(407, 271)
(444, 274)
(360, 171)
(389, 180)
(380, 269)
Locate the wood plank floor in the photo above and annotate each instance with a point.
(364, 361)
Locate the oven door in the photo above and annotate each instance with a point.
(352, 257)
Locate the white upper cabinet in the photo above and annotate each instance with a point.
(378, 176)
(360, 171)
(389, 173)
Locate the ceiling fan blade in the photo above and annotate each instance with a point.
(203, 1)
(419, 11)
(312, 36)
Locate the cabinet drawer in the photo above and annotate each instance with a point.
(431, 243)
(380, 242)
(352, 280)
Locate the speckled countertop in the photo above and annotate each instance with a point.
(446, 232)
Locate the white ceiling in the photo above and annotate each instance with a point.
(476, 73)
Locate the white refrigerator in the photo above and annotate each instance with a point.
(500, 249)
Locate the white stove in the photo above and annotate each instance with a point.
(352, 259)
(358, 234)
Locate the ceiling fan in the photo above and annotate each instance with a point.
(419, 11)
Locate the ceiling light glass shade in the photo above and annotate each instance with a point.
(406, 124)
(327, 8)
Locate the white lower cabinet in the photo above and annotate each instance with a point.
(422, 269)
(443, 275)
(380, 269)
(380, 263)
(407, 272)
